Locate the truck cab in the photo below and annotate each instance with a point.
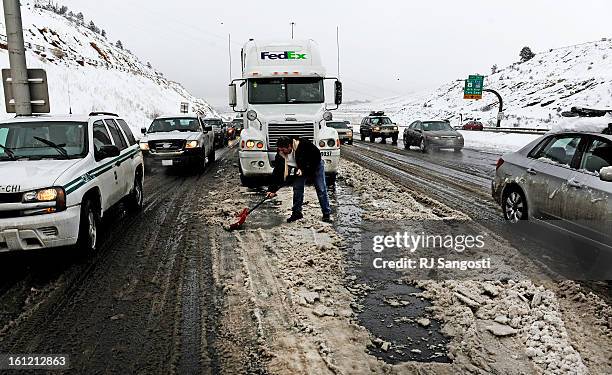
(282, 93)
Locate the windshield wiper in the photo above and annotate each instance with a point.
(9, 152)
(60, 148)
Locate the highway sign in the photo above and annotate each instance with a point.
(473, 87)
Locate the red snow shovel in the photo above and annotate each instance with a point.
(242, 216)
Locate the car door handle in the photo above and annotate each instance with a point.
(575, 184)
(532, 171)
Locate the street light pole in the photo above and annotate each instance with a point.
(229, 51)
(17, 58)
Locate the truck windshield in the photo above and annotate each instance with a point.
(45, 139)
(337, 125)
(174, 124)
(286, 91)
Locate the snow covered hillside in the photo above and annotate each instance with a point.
(534, 92)
(89, 73)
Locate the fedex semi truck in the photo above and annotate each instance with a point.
(282, 93)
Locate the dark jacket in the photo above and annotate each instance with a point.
(307, 158)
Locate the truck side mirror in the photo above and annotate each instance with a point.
(232, 95)
(338, 93)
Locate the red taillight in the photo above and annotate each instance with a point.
(500, 162)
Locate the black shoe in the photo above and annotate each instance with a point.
(295, 217)
(327, 218)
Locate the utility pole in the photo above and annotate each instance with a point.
(292, 25)
(338, 48)
(229, 51)
(17, 58)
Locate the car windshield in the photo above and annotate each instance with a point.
(44, 139)
(337, 125)
(286, 91)
(381, 121)
(433, 126)
(174, 124)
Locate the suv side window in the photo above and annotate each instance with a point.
(560, 149)
(100, 136)
(126, 130)
(598, 155)
(117, 136)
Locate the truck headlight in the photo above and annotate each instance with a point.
(395, 128)
(57, 195)
(376, 129)
(251, 115)
(144, 146)
(250, 144)
(191, 144)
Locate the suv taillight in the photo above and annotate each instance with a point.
(500, 162)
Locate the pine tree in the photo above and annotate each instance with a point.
(63, 10)
(494, 69)
(119, 44)
(80, 16)
(526, 54)
(104, 33)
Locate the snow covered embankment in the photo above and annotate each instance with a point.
(88, 73)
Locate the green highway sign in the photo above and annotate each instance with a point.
(473, 87)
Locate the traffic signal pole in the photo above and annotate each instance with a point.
(17, 58)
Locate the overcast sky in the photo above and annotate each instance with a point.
(387, 48)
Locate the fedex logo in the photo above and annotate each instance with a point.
(287, 55)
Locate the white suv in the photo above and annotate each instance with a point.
(61, 174)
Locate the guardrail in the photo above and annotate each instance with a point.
(511, 130)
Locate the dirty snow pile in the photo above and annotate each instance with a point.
(89, 73)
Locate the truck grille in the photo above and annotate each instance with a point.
(292, 130)
(167, 146)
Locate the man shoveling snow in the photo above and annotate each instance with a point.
(304, 158)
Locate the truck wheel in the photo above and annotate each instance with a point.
(349, 142)
(394, 139)
(136, 197)
(362, 136)
(372, 138)
(88, 227)
(406, 144)
(384, 140)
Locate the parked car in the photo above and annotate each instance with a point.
(219, 130)
(345, 133)
(434, 134)
(564, 179)
(377, 125)
(60, 175)
(178, 140)
(473, 125)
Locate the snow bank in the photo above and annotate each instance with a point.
(497, 142)
(583, 124)
(88, 73)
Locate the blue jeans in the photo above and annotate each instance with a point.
(320, 186)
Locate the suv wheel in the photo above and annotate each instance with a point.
(372, 138)
(514, 205)
(394, 139)
(362, 136)
(88, 227)
(136, 197)
(406, 143)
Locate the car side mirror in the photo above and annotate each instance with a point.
(605, 174)
(143, 130)
(338, 93)
(107, 151)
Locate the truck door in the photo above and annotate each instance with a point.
(123, 165)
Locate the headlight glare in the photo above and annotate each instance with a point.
(144, 146)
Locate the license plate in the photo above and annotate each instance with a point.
(167, 163)
(325, 153)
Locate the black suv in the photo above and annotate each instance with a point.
(377, 125)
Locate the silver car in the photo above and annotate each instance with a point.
(428, 135)
(345, 132)
(563, 179)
